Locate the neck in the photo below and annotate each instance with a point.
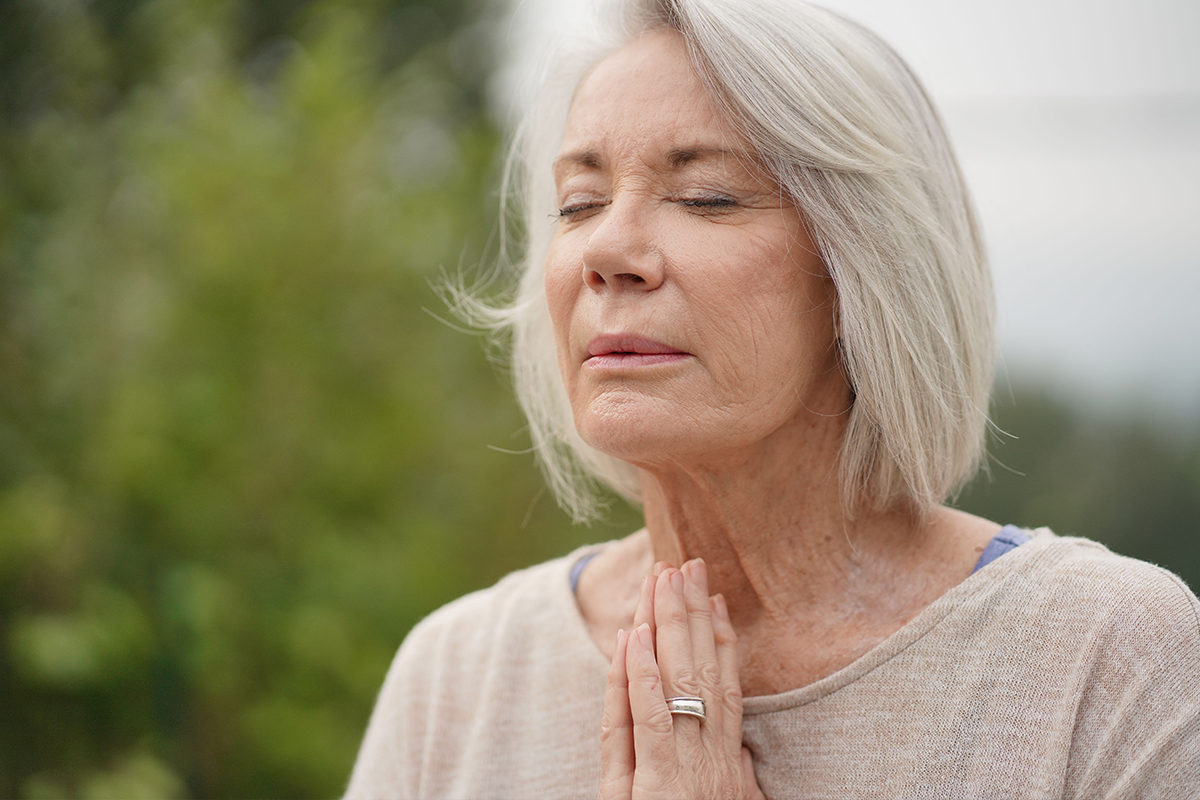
(772, 549)
(774, 530)
(809, 588)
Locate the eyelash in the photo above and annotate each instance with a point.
(566, 212)
(712, 201)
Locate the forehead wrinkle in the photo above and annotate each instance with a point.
(587, 158)
(676, 159)
(682, 156)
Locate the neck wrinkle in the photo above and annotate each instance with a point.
(770, 547)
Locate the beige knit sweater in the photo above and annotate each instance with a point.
(1059, 670)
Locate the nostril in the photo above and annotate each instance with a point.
(597, 279)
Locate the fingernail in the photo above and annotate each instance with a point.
(700, 572)
(677, 581)
(719, 606)
(643, 635)
(620, 636)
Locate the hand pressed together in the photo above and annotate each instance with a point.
(682, 645)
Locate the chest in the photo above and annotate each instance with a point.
(926, 739)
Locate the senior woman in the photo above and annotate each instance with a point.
(762, 311)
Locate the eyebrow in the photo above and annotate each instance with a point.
(681, 156)
(677, 157)
(584, 158)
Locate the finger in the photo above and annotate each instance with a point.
(653, 726)
(675, 642)
(704, 655)
(749, 782)
(699, 616)
(730, 694)
(645, 611)
(616, 729)
(646, 598)
(645, 607)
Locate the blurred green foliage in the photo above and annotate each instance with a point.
(1131, 481)
(237, 459)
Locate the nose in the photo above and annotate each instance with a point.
(622, 253)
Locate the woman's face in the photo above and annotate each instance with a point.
(691, 314)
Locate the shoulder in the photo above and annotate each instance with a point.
(1071, 577)
(1117, 642)
(447, 703)
(1076, 598)
(488, 623)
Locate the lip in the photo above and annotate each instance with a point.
(630, 350)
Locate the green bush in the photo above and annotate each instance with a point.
(238, 458)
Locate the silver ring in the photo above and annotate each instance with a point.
(691, 706)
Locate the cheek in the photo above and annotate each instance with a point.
(760, 343)
(562, 282)
(766, 317)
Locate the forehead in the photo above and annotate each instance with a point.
(646, 97)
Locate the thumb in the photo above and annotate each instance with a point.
(749, 782)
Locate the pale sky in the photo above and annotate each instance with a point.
(1078, 126)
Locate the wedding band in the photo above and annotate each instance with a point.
(691, 706)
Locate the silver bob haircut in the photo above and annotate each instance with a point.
(846, 129)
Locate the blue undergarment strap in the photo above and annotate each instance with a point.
(1010, 537)
(577, 569)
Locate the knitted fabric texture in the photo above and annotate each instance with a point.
(1059, 671)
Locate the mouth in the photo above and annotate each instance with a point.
(630, 350)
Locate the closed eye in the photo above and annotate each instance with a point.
(709, 202)
(576, 209)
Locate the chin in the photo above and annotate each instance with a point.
(637, 431)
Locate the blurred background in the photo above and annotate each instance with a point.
(240, 456)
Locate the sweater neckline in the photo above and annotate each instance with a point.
(909, 634)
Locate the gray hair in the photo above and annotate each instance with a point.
(847, 130)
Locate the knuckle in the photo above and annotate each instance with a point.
(697, 604)
(611, 788)
(614, 672)
(723, 633)
(686, 683)
(731, 698)
(608, 732)
(611, 723)
(708, 783)
(648, 682)
(708, 675)
(671, 614)
(656, 723)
